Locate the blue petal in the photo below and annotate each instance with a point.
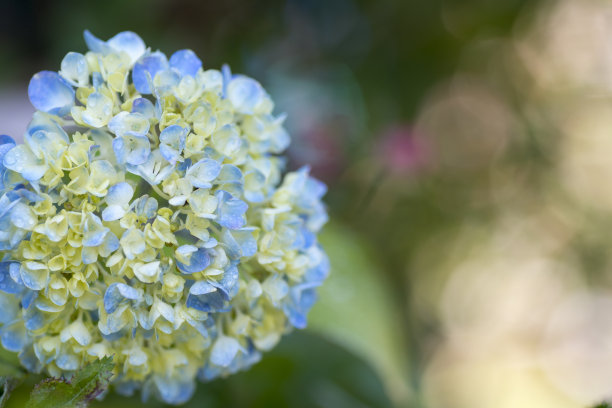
(134, 150)
(145, 107)
(172, 141)
(174, 391)
(29, 298)
(199, 261)
(146, 206)
(245, 94)
(94, 231)
(110, 244)
(117, 293)
(171, 155)
(5, 146)
(35, 279)
(186, 62)
(34, 319)
(203, 172)
(301, 301)
(97, 81)
(7, 284)
(119, 194)
(47, 305)
(318, 273)
(45, 123)
(202, 288)
(74, 69)
(51, 93)
(126, 123)
(230, 211)
(6, 139)
(130, 43)
(28, 359)
(206, 298)
(28, 195)
(183, 166)
(224, 350)
(240, 242)
(94, 238)
(226, 72)
(230, 174)
(212, 296)
(13, 336)
(308, 238)
(113, 213)
(154, 170)
(147, 67)
(114, 336)
(10, 308)
(23, 217)
(15, 274)
(313, 191)
(89, 255)
(95, 44)
(125, 388)
(254, 184)
(174, 135)
(67, 362)
(228, 285)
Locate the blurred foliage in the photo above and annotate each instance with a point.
(76, 392)
(370, 326)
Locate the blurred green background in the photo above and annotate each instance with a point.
(466, 146)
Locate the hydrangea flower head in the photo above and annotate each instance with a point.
(147, 216)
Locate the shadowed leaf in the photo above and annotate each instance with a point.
(77, 392)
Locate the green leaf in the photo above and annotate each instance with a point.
(11, 374)
(76, 392)
(356, 310)
(8, 384)
(603, 405)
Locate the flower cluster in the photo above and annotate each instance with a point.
(147, 217)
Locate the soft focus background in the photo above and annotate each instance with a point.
(467, 146)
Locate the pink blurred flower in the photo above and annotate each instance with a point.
(401, 151)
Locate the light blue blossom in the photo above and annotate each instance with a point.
(196, 259)
(117, 293)
(74, 69)
(151, 219)
(214, 295)
(224, 351)
(245, 94)
(230, 210)
(154, 170)
(50, 93)
(97, 240)
(7, 284)
(186, 62)
(118, 200)
(145, 70)
(132, 144)
(126, 42)
(14, 336)
(202, 173)
(98, 111)
(46, 142)
(144, 107)
(172, 143)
